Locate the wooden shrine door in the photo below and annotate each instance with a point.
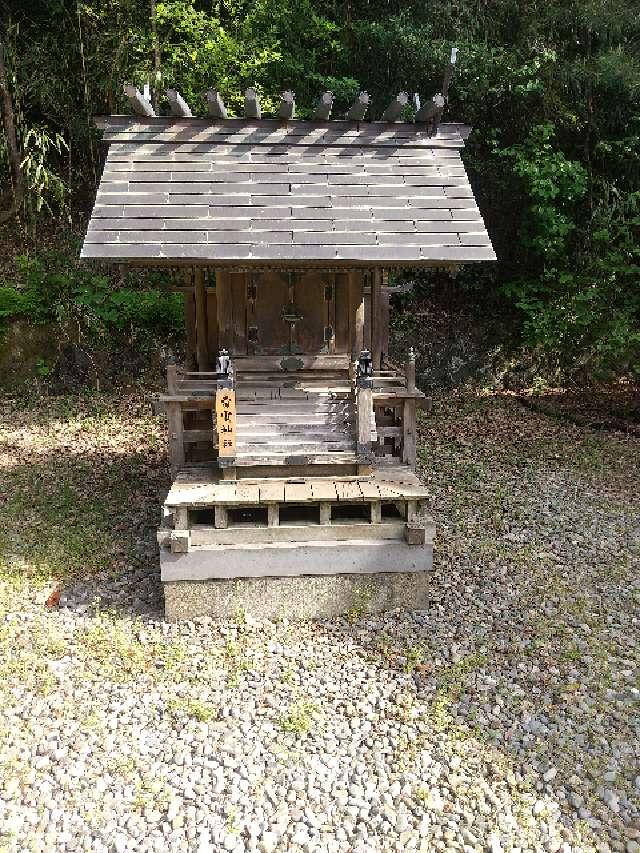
(280, 313)
(290, 313)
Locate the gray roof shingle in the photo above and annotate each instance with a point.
(266, 192)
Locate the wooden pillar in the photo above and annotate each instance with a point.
(172, 378)
(190, 322)
(356, 303)
(409, 432)
(366, 296)
(176, 437)
(410, 371)
(376, 315)
(385, 315)
(202, 346)
(364, 406)
(224, 308)
(212, 325)
(325, 513)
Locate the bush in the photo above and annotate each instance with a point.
(52, 288)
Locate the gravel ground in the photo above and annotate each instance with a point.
(504, 717)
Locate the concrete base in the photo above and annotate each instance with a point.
(221, 562)
(299, 597)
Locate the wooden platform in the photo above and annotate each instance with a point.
(199, 487)
(291, 559)
(258, 527)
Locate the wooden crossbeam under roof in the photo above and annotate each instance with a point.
(256, 192)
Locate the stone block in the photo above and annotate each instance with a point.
(179, 541)
(299, 597)
(414, 534)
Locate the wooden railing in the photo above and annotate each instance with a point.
(189, 405)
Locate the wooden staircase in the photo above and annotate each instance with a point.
(306, 420)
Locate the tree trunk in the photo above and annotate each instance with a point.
(13, 151)
(157, 72)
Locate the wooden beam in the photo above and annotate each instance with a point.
(358, 109)
(287, 105)
(202, 348)
(252, 104)
(395, 108)
(177, 104)
(323, 107)
(138, 103)
(215, 104)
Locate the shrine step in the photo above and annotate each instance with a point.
(287, 457)
(293, 420)
(294, 444)
(248, 534)
(286, 430)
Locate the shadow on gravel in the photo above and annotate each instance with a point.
(80, 502)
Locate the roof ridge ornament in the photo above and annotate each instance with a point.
(215, 104)
(287, 105)
(358, 109)
(252, 103)
(323, 108)
(139, 104)
(431, 112)
(428, 111)
(177, 104)
(394, 110)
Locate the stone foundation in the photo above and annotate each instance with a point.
(298, 597)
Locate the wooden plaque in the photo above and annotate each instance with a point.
(226, 421)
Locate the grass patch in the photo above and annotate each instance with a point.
(299, 717)
(117, 650)
(194, 708)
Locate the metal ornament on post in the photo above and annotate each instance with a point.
(224, 369)
(410, 371)
(365, 369)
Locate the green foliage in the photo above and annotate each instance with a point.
(586, 321)
(44, 186)
(299, 717)
(552, 90)
(50, 289)
(553, 184)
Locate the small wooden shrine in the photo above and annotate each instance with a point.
(292, 433)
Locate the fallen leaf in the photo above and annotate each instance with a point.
(54, 598)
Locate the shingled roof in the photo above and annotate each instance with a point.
(259, 192)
